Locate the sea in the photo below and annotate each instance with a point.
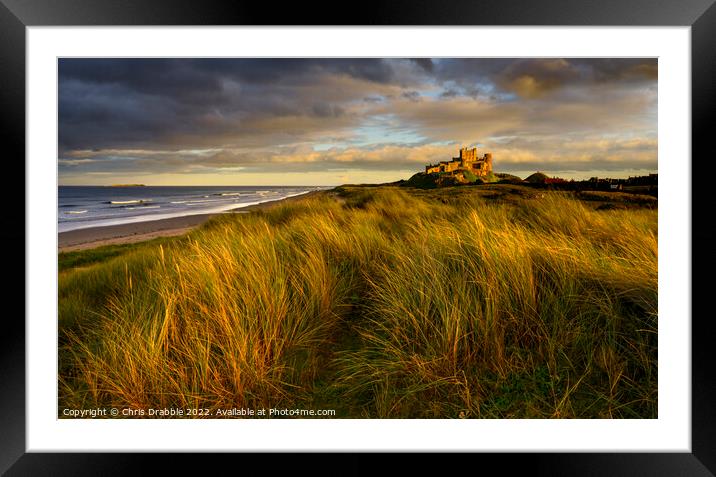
(96, 206)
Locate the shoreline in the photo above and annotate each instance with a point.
(93, 237)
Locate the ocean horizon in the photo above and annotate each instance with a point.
(80, 207)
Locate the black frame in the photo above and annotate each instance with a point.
(16, 15)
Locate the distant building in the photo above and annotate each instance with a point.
(468, 161)
(642, 184)
(651, 179)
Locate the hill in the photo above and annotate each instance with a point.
(434, 180)
(537, 178)
(504, 178)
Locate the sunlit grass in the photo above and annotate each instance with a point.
(381, 303)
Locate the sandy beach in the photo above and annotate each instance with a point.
(140, 231)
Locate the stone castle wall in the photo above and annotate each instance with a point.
(468, 160)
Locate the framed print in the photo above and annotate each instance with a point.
(408, 238)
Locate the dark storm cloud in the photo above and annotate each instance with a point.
(534, 77)
(112, 102)
(411, 95)
(109, 102)
(424, 63)
(159, 114)
(324, 110)
(187, 76)
(619, 69)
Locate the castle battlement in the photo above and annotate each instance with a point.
(467, 161)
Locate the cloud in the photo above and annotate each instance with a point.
(534, 77)
(157, 116)
(425, 63)
(509, 155)
(585, 154)
(323, 110)
(75, 162)
(530, 78)
(113, 103)
(411, 95)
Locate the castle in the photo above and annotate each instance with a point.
(468, 160)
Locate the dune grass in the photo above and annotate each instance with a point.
(377, 302)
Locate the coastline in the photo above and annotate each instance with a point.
(92, 237)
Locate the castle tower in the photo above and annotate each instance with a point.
(468, 157)
(488, 162)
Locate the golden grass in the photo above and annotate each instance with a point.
(380, 302)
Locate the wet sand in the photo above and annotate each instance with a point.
(140, 231)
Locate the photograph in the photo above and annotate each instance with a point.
(357, 237)
(251, 232)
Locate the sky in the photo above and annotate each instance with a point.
(331, 121)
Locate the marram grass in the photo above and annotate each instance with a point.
(379, 303)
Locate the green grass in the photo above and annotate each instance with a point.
(482, 302)
(70, 260)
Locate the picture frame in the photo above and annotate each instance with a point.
(15, 16)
